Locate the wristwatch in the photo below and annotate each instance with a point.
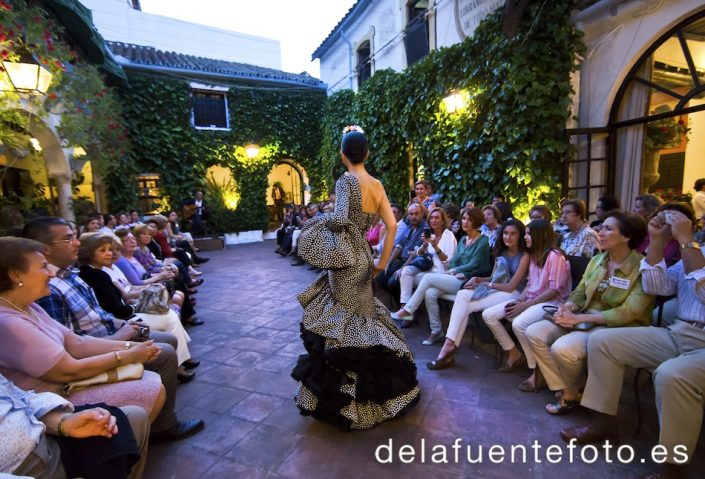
(690, 244)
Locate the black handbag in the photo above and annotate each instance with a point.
(423, 262)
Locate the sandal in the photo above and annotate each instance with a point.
(564, 406)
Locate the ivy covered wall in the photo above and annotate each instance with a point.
(283, 122)
(509, 138)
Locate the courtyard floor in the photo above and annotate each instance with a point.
(243, 392)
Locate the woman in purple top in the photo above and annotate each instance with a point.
(57, 355)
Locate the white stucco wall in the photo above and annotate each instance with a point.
(117, 21)
(617, 35)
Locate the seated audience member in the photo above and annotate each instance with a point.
(109, 223)
(134, 219)
(57, 355)
(423, 195)
(285, 227)
(410, 242)
(73, 304)
(432, 257)
(580, 239)
(676, 352)
(312, 211)
(92, 224)
(452, 211)
(137, 275)
(645, 206)
(174, 231)
(397, 211)
(144, 234)
(558, 226)
(672, 250)
(471, 258)
(123, 222)
(505, 209)
(402, 222)
(492, 223)
(96, 253)
(506, 283)
(374, 233)
(32, 425)
(548, 284)
(604, 205)
(540, 212)
(609, 295)
(180, 249)
(698, 201)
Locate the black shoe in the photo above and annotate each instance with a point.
(180, 431)
(184, 376)
(192, 321)
(196, 283)
(298, 262)
(191, 363)
(201, 260)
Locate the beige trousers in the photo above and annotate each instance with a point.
(677, 356)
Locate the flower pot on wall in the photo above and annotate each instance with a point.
(649, 170)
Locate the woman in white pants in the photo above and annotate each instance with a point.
(439, 246)
(471, 258)
(549, 283)
(506, 283)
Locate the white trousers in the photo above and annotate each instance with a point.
(432, 287)
(464, 306)
(170, 323)
(411, 277)
(493, 317)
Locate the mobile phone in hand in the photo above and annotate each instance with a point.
(427, 232)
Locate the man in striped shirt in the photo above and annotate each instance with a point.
(675, 353)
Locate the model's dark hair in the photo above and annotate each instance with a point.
(39, 229)
(630, 225)
(500, 247)
(15, 257)
(543, 240)
(354, 146)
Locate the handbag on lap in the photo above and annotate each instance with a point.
(125, 372)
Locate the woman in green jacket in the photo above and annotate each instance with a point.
(609, 295)
(471, 258)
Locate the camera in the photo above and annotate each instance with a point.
(143, 332)
(427, 232)
(668, 217)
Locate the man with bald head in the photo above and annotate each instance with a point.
(407, 244)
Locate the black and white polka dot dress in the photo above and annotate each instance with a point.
(358, 371)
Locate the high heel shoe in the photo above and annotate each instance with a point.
(445, 362)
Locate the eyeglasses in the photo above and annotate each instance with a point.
(68, 239)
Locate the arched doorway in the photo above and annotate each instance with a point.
(657, 120)
(288, 179)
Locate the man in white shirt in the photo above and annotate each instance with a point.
(675, 354)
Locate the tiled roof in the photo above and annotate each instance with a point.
(137, 55)
(358, 7)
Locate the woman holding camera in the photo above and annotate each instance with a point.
(548, 284)
(609, 295)
(39, 353)
(437, 250)
(506, 283)
(96, 253)
(471, 258)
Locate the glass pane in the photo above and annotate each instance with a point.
(577, 175)
(598, 172)
(670, 68)
(599, 146)
(595, 194)
(695, 39)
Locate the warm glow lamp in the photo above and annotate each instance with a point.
(252, 150)
(27, 75)
(454, 102)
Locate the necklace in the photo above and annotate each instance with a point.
(13, 305)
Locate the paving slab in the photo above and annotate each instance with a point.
(244, 392)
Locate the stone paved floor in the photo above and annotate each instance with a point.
(243, 391)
